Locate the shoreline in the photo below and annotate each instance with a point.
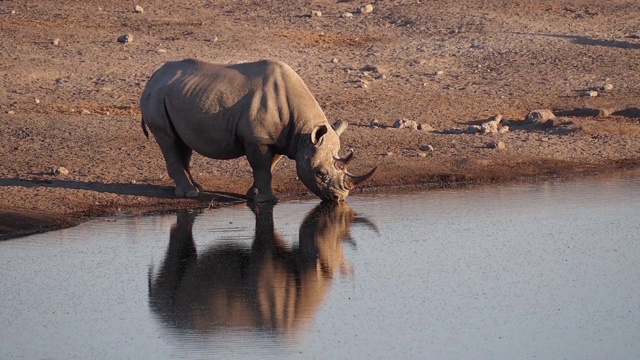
(34, 224)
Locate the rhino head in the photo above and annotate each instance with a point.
(319, 166)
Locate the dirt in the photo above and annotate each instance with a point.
(73, 102)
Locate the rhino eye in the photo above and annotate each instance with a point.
(323, 175)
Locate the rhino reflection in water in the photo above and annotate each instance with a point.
(268, 286)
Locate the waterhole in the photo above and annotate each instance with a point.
(547, 270)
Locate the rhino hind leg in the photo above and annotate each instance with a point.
(185, 156)
(176, 153)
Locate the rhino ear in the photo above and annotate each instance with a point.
(340, 126)
(317, 133)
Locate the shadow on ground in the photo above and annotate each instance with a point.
(154, 191)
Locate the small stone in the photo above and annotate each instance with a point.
(389, 153)
(346, 15)
(37, 101)
(592, 93)
(139, 9)
(425, 148)
(59, 170)
(11, 112)
(55, 41)
(13, 12)
(499, 145)
(607, 87)
(503, 130)
(405, 124)
(365, 9)
(539, 116)
(161, 51)
(315, 13)
(374, 124)
(425, 127)
(85, 112)
(439, 72)
(334, 60)
(125, 39)
(422, 154)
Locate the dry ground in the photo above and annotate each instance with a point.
(447, 64)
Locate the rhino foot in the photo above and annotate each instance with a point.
(190, 193)
(257, 197)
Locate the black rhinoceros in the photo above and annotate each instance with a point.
(262, 110)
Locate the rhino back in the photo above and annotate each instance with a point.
(217, 110)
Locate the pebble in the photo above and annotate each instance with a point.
(37, 101)
(125, 39)
(59, 170)
(496, 145)
(439, 72)
(365, 9)
(346, 15)
(422, 154)
(389, 153)
(161, 51)
(592, 93)
(85, 112)
(374, 124)
(426, 148)
(139, 9)
(334, 60)
(607, 87)
(539, 116)
(55, 41)
(405, 124)
(11, 112)
(425, 127)
(315, 13)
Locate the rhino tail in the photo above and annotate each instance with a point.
(144, 128)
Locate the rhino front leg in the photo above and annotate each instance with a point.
(261, 158)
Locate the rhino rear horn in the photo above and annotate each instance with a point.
(340, 126)
(342, 162)
(352, 180)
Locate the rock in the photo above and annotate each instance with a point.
(346, 15)
(426, 148)
(335, 60)
(37, 101)
(316, 13)
(425, 127)
(439, 72)
(453, 131)
(389, 153)
(405, 124)
(503, 130)
(374, 124)
(607, 87)
(59, 170)
(365, 9)
(422, 154)
(11, 112)
(592, 93)
(499, 145)
(55, 41)
(85, 112)
(375, 69)
(125, 39)
(139, 9)
(491, 126)
(539, 116)
(161, 51)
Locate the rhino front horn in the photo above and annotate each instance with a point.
(353, 180)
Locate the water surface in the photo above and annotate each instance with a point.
(529, 271)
